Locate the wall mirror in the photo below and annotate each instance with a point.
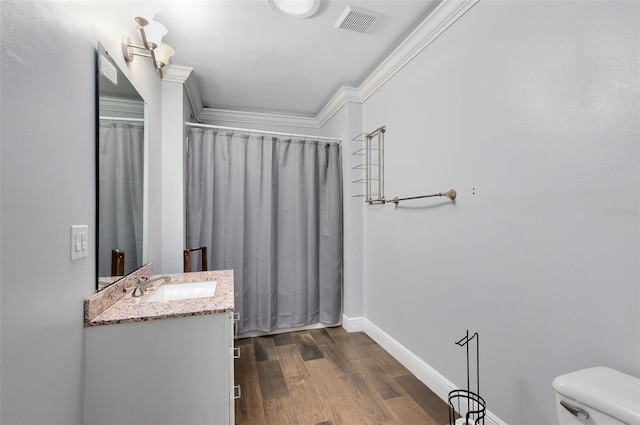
(121, 156)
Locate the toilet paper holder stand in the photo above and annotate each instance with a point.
(465, 406)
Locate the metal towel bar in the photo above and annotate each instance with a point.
(450, 194)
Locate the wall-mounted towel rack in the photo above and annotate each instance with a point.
(451, 194)
(373, 167)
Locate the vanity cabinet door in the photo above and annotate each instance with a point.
(168, 371)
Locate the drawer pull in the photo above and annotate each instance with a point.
(236, 392)
(236, 352)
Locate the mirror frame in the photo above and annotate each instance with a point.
(101, 52)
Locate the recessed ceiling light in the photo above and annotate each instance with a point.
(295, 8)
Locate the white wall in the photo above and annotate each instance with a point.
(47, 166)
(530, 110)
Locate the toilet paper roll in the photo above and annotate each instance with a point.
(463, 421)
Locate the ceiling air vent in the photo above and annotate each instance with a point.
(357, 19)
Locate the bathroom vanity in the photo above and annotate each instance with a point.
(165, 357)
(161, 362)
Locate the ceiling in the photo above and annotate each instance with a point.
(248, 58)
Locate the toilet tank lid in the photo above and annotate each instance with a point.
(610, 391)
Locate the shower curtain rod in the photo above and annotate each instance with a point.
(122, 119)
(248, 130)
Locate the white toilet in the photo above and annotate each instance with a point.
(597, 396)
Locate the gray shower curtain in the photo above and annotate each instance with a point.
(121, 185)
(270, 209)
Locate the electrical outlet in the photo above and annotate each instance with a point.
(79, 241)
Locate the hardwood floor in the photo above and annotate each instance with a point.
(329, 377)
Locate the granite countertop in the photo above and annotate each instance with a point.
(137, 309)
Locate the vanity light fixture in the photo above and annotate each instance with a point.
(152, 45)
(295, 8)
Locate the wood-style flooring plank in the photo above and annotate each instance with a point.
(341, 407)
(370, 405)
(361, 338)
(291, 361)
(282, 339)
(280, 411)
(272, 382)
(384, 385)
(321, 336)
(264, 349)
(408, 412)
(350, 350)
(388, 364)
(429, 401)
(309, 406)
(338, 359)
(306, 345)
(336, 330)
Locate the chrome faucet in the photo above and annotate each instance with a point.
(143, 282)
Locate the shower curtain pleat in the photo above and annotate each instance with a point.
(271, 210)
(121, 157)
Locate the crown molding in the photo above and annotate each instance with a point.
(343, 95)
(177, 74)
(193, 93)
(217, 115)
(117, 106)
(445, 15)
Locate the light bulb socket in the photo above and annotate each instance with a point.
(163, 54)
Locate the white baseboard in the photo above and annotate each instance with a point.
(352, 324)
(425, 373)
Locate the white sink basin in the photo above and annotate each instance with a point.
(184, 291)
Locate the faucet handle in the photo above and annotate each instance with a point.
(139, 291)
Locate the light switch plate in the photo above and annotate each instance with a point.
(79, 239)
